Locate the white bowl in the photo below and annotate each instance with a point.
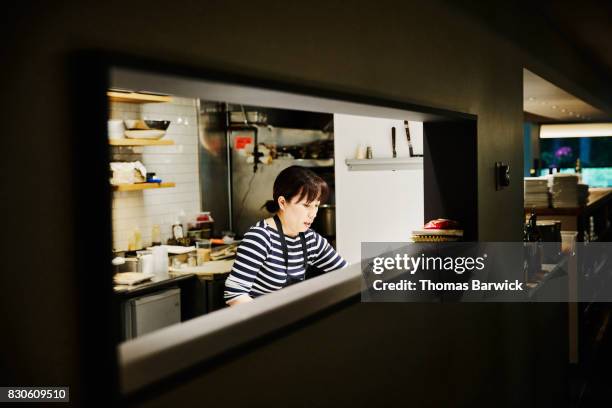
(152, 134)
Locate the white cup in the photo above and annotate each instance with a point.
(116, 129)
(361, 152)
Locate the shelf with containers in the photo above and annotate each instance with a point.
(142, 186)
(136, 97)
(139, 98)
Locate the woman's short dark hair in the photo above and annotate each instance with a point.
(297, 181)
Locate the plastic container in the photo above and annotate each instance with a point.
(193, 259)
(160, 262)
(205, 223)
(568, 242)
(203, 249)
(145, 262)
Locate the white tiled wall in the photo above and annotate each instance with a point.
(177, 163)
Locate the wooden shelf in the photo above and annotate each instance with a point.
(140, 142)
(134, 97)
(142, 186)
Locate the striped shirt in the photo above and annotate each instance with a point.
(260, 267)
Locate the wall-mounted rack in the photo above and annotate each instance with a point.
(398, 163)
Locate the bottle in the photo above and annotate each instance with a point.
(578, 168)
(535, 169)
(534, 253)
(131, 243)
(155, 235)
(534, 235)
(182, 218)
(177, 230)
(137, 238)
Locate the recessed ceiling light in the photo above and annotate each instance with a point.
(554, 106)
(563, 110)
(571, 113)
(531, 98)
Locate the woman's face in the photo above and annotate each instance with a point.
(298, 214)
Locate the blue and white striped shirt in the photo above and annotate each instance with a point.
(260, 267)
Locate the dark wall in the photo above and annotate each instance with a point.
(392, 354)
(426, 53)
(450, 173)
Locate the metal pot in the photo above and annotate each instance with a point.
(325, 222)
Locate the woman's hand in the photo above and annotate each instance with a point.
(240, 299)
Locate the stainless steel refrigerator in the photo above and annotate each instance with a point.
(233, 188)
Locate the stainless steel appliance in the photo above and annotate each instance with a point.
(151, 312)
(283, 138)
(325, 223)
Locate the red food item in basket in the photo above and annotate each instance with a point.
(441, 223)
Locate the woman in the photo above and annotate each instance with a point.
(276, 252)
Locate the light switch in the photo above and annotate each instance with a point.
(502, 175)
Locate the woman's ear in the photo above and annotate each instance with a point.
(282, 202)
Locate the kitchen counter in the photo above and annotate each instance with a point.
(192, 301)
(211, 276)
(152, 285)
(549, 271)
(209, 270)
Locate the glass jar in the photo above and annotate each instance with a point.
(192, 260)
(203, 249)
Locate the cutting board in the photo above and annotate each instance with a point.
(209, 268)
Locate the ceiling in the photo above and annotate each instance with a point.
(586, 27)
(547, 102)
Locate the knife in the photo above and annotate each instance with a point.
(409, 142)
(393, 141)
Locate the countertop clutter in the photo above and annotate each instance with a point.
(175, 273)
(438, 230)
(169, 284)
(158, 263)
(592, 220)
(132, 175)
